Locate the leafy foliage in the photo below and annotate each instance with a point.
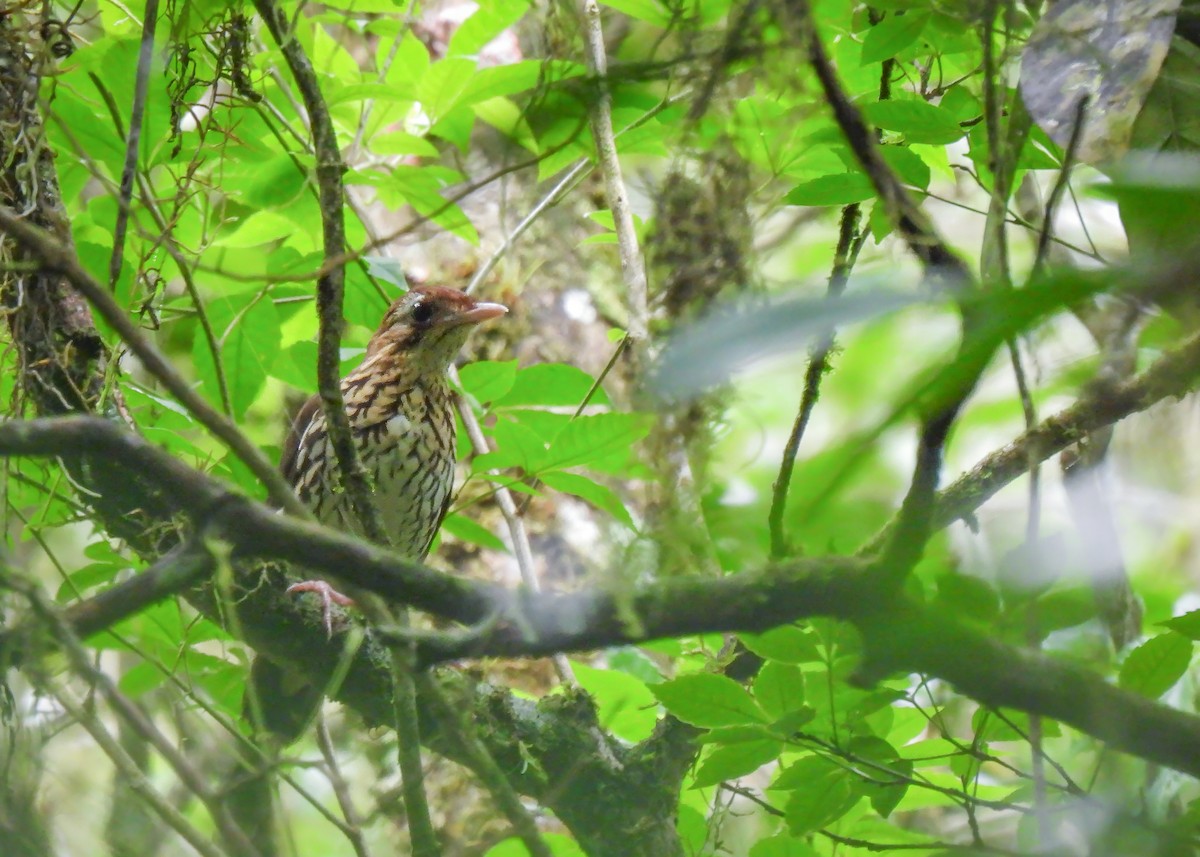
(635, 462)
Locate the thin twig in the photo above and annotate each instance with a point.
(54, 256)
(913, 225)
(633, 266)
(818, 364)
(850, 242)
(512, 518)
(556, 193)
(1060, 185)
(133, 139)
(331, 283)
(138, 783)
(138, 721)
(480, 761)
(330, 294)
(189, 285)
(341, 791)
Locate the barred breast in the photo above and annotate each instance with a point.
(405, 436)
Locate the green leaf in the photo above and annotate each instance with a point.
(589, 439)
(510, 79)
(779, 688)
(488, 380)
(508, 118)
(248, 335)
(709, 701)
(782, 845)
(735, 760)
(363, 91)
(400, 143)
(838, 189)
(1153, 667)
(466, 530)
(892, 35)
(787, 644)
(650, 11)
(624, 704)
(918, 121)
(908, 165)
(886, 796)
(600, 496)
(821, 793)
(884, 781)
(488, 21)
(517, 445)
(261, 227)
(421, 188)
(1188, 624)
(443, 84)
(552, 385)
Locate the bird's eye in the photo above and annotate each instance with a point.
(422, 313)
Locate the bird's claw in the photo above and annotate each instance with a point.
(329, 597)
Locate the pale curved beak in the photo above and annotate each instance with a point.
(481, 312)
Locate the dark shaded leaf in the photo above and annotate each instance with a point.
(1109, 51)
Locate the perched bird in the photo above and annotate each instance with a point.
(402, 417)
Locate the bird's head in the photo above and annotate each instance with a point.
(430, 324)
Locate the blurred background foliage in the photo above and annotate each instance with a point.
(456, 121)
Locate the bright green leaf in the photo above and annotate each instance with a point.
(839, 189)
(892, 35)
(600, 496)
(787, 644)
(624, 704)
(552, 384)
(488, 380)
(1188, 624)
(918, 121)
(1154, 666)
(709, 701)
(735, 760)
(467, 530)
(779, 688)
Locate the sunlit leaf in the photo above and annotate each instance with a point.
(550, 384)
(466, 530)
(736, 760)
(488, 380)
(598, 495)
(625, 705)
(709, 701)
(1154, 666)
(918, 121)
(892, 35)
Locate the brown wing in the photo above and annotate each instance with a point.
(291, 445)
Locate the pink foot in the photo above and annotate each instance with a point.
(329, 597)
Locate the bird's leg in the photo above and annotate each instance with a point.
(329, 597)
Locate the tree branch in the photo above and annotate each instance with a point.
(331, 281)
(60, 259)
(899, 635)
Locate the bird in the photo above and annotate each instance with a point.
(401, 412)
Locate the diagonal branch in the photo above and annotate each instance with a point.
(58, 258)
(331, 282)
